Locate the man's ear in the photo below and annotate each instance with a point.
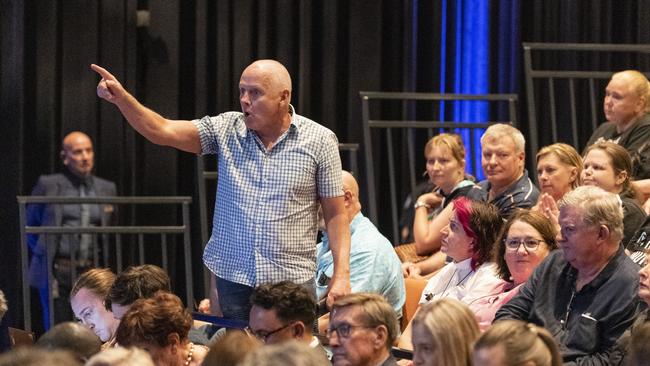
(347, 196)
(381, 336)
(298, 330)
(603, 232)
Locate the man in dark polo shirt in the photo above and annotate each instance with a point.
(584, 294)
(503, 156)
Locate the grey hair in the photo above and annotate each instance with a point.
(598, 208)
(499, 130)
(120, 356)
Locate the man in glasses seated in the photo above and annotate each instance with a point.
(362, 330)
(281, 312)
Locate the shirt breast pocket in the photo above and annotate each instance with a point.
(586, 334)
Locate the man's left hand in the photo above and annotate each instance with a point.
(338, 288)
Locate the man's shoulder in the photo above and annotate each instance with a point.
(310, 126)
(49, 179)
(103, 182)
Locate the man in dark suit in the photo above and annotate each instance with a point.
(56, 251)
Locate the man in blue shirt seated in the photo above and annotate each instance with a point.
(374, 265)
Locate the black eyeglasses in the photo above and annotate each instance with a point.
(263, 336)
(343, 330)
(513, 244)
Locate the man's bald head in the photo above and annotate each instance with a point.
(77, 153)
(349, 183)
(273, 73)
(351, 195)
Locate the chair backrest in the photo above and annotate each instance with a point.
(414, 290)
(20, 337)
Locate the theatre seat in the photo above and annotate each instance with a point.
(414, 290)
(20, 337)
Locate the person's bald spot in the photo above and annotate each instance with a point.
(75, 136)
(350, 184)
(273, 73)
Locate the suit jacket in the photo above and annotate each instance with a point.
(51, 215)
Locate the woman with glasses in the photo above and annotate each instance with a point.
(443, 333)
(160, 326)
(525, 240)
(608, 166)
(468, 241)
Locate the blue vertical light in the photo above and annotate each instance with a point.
(471, 71)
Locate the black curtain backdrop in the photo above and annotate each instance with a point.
(183, 59)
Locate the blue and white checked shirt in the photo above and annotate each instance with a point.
(264, 226)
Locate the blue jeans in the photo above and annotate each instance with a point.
(234, 298)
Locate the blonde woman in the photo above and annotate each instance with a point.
(443, 334)
(558, 172)
(516, 343)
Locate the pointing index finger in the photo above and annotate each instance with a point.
(103, 72)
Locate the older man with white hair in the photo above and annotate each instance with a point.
(585, 293)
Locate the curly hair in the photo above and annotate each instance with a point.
(290, 301)
(153, 319)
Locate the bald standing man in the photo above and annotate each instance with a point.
(76, 180)
(275, 168)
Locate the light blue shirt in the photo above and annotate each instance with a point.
(264, 224)
(374, 265)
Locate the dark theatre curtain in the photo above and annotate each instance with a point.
(600, 21)
(186, 60)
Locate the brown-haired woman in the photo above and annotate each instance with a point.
(608, 166)
(160, 326)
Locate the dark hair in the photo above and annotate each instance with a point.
(96, 280)
(135, 283)
(289, 300)
(533, 218)
(481, 221)
(152, 320)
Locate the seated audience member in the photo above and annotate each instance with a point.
(585, 293)
(120, 356)
(374, 265)
(72, 337)
(231, 349)
(525, 240)
(445, 164)
(159, 325)
(87, 302)
(30, 356)
(639, 245)
(468, 241)
(607, 165)
(290, 353)
(630, 338)
(516, 343)
(282, 311)
(558, 171)
(507, 186)
(362, 330)
(639, 352)
(443, 333)
(136, 282)
(503, 156)
(627, 97)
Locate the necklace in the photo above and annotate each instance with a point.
(429, 296)
(189, 355)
